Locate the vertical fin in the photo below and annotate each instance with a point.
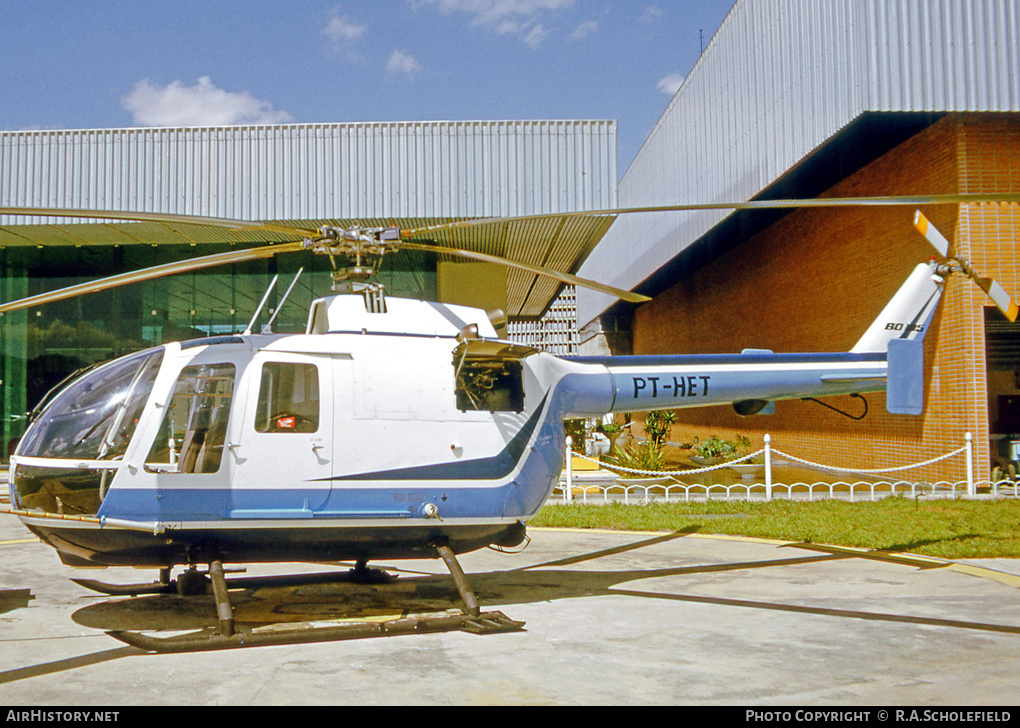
(908, 314)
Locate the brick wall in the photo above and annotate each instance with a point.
(816, 279)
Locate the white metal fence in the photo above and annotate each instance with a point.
(612, 483)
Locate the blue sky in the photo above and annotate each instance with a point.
(70, 64)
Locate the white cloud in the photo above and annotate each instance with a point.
(496, 11)
(343, 34)
(402, 64)
(652, 14)
(200, 105)
(585, 29)
(535, 36)
(519, 17)
(341, 30)
(671, 83)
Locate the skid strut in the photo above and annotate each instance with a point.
(223, 609)
(227, 635)
(459, 579)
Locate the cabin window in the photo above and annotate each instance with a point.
(194, 430)
(288, 398)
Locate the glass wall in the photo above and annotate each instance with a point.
(41, 346)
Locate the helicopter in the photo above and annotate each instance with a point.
(264, 447)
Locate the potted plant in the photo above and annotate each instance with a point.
(713, 451)
(640, 456)
(716, 450)
(612, 431)
(746, 468)
(658, 424)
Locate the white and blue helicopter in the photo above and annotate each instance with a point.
(261, 447)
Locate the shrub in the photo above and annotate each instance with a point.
(715, 447)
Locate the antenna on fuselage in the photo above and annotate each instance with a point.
(258, 310)
(267, 329)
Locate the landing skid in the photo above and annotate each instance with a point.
(192, 583)
(484, 623)
(126, 590)
(226, 636)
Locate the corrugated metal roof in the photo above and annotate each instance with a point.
(778, 79)
(405, 173)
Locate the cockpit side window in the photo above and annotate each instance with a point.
(288, 398)
(194, 429)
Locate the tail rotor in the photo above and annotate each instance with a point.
(1003, 301)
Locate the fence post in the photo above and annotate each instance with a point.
(971, 490)
(568, 491)
(768, 467)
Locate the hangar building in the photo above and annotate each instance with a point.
(406, 174)
(815, 98)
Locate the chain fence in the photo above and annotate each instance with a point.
(744, 479)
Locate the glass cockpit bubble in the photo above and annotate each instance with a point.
(93, 419)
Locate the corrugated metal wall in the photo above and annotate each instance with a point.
(556, 332)
(778, 79)
(316, 171)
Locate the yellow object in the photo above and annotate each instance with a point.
(578, 463)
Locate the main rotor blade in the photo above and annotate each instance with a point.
(886, 201)
(185, 266)
(537, 270)
(233, 224)
(217, 222)
(243, 225)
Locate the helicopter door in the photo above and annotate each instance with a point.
(187, 456)
(284, 449)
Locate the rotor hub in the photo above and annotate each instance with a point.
(364, 247)
(354, 241)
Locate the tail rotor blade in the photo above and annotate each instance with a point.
(998, 294)
(932, 235)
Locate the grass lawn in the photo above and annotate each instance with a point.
(948, 529)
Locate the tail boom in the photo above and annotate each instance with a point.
(642, 383)
(888, 357)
